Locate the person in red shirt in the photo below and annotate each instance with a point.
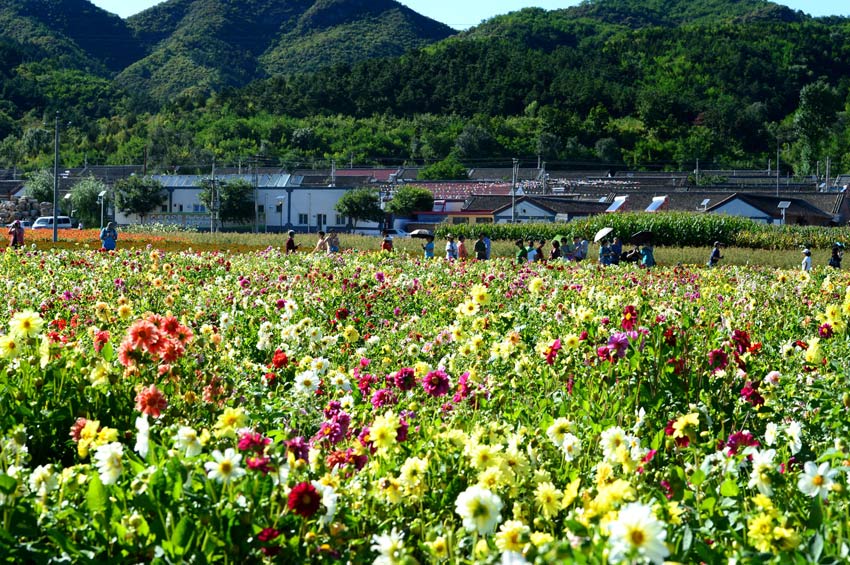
(387, 242)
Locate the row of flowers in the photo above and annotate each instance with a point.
(372, 408)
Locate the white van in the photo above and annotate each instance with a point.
(46, 222)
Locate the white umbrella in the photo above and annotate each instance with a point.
(420, 233)
(601, 234)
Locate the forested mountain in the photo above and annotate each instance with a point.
(640, 83)
(203, 45)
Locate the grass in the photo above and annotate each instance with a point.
(246, 243)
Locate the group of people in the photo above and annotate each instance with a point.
(328, 242)
(835, 257)
(457, 250)
(108, 235)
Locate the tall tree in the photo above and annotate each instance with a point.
(409, 199)
(235, 199)
(85, 200)
(361, 204)
(139, 195)
(39, 185)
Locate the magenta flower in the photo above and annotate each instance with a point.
(436, 383)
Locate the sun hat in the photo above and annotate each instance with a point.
(291, 232)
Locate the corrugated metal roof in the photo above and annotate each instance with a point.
(194, 181)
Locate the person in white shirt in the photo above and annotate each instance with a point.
(451, 248)
(807, 260)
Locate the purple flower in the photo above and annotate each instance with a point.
(379, 276)
(405, 379)
(382, 397)
(299, 447)
(436, 383)
(618, 343)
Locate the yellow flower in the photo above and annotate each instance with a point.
(570, 494)
(760, 530)
(535, 285)
(484, 456)
(391, 490)
(814, 354)
(383, 431)
(350, 334)
(26, 324)
(491, 478)
(480, 295)
(571, 341)
(102, 311)
(549, 498)
(229, 421)
(786, 539)
(412, 474)
(511, 536)
(439, 548)
(685, 423)
(9, 348)
(125, 311)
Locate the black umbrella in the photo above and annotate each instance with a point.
(420, 233)
(641, 237)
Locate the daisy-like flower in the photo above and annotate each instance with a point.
(512, 536)
(26, 324)
(548, 498)
(558, 431)
(795, 437)
(480, 294)
(9, 348)
(637, 534)
(187, 441)
(304, 499)
(329, 501)
(762, 462)
(390, 547)
(225, 466)
(151, 401)
(306, 382)
(480, 509)
(384, 430)
(109, 463)
(43, 480)
(816, 480)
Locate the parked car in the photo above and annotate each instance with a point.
(46, 223)
(377, 232)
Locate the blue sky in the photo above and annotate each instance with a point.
(461, 14)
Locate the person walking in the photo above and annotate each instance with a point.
(522, 252)
(837, 255)
(451, 248)
(555, 252)
(807, 260)
(16, 234)
(109, 237)
(321, 244)
(332, 242)
(647, 256)
(428, 247)
(291, 246)
(480, 248)
(715, 256)
(387, 241)
(462, 253)
(487, 246)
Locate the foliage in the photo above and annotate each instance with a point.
(362, 204)
(86, 202)
(39, 185)
(213, 407)
(139, 195)
(409, 199)
(234, 199)
(447, 169)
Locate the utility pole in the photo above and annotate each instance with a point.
(777, 167)
(827, 174)
(514, 176)
(255, 180)
(55, 177)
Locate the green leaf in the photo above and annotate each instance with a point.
(96, 497)
(698, 477)
(182, 535)
(108, 352)
(7, 484)
(816, 515)
(729, 488)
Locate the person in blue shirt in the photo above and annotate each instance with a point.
(616, 251)
(604, 253)
(487, 246)
(647, 256)
(428, 247)
(109, 236)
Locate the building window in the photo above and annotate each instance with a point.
(199, 208)
(164, 208)
(303, 220)
(180, 207)
(457, 221)
(483, 221)
(341, 220)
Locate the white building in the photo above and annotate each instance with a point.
(282, 203)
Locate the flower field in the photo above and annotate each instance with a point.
(359, 407)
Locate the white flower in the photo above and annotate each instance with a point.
(225, 467)
(611, 441)
(480, 509)
(389, 546)
(795, 437)
(571, 447)
(816, 480)
(320, 365)
(329, 500)
(558, 430)
(109, 464)
(771, 432)
(762, 465)
(43, 480)
(637, 534)
(306, 382)
(142, 435)
(187, 441)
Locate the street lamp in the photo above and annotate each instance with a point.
(101, 200)
(67, 197)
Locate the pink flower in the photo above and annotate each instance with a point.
(151, 401)
(436, 383)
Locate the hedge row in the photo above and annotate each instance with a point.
(672, 229)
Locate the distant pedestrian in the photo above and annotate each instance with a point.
(451, 248)
(428, 247)
(16, 234)
(530, 252)
(332, 242)
(616, 251)
(837, 255)
(386, 241)
(480, 248)
(540, 256)
(604, 253)
(109, 237)
(555, 252)
(715, 256)
(522, 252)
(647, 256)
(321, 244)
(487, 246)
(462, 253)
(807, 261)
(291, 246)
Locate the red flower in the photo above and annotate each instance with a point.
(279, 359)
(552, 352)
(629, 318)
(100, 339)
(77, 428)
(151, 401)
(304, 499)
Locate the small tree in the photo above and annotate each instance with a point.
(360, 204)
(39, 185)
(447, 169)
(85, 200)
(409, 199)
(235, 199)
(138, 195)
